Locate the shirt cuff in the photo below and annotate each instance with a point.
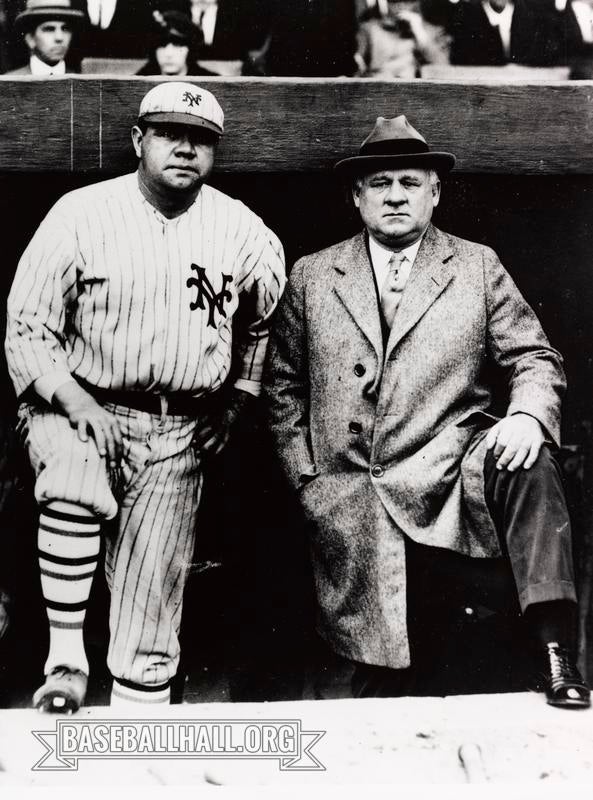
(46, 385)
(251, 387)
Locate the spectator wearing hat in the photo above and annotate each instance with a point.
(47, 27)
(175, 47)
(394, 40)
(122, 348)
(385, 356)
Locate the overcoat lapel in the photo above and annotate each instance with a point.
(355, 286)
(429, 277)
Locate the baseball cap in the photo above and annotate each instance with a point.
(182, 104)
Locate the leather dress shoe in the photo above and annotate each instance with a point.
(562, 682)
(63, 692)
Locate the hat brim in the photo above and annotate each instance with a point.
(179, 118)
(356, 165)
(36, 16)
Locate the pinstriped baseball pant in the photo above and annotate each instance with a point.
(155, 496)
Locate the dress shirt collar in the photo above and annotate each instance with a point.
(584, 16)
(39, 67)
(101, 12)
(205, 17)
(380, 257)
(503, 21)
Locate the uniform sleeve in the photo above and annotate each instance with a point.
(260, 281)
(44, 284)
(518, 345)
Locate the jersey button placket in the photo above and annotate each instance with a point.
(161, 277)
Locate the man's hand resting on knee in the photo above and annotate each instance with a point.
(88, 417)
(516, 440)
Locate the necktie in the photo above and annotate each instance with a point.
(392, 288)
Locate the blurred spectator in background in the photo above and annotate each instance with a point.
(440, 12)
(498, 32)
(574, 21)
(117, 28)
(4, 42)
(309, 38)
(230, 27)
(175, 46)
(394, 40)
(47, 27)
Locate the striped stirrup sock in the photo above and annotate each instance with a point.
(68, 549)
(128, 695)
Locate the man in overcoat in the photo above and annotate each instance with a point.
(380, 402)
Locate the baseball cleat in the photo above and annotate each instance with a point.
(63, 692)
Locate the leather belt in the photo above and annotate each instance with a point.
(173, 404)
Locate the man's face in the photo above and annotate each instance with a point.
(172, 58)
(396, 205)
(174, 158)
(50, 41)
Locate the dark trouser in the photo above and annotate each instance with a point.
(529, 511)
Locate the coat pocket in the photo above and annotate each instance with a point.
(478, 419)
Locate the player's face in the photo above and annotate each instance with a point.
(396, 205)
(174, 158)
(172, 58)
(50, 41)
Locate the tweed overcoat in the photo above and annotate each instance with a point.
(382, 441)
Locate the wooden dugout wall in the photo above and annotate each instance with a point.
(79, 124)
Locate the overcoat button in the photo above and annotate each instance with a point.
(377, 471)
(355, 427)
(359, 370)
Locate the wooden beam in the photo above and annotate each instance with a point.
(81, 123)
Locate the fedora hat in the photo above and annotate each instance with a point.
(174, 26)
(36, 11)
(395, 143)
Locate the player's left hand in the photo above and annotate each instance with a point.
(516, 440)
(213, 433)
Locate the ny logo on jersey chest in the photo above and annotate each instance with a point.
(207, 294)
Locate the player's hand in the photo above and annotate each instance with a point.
(516, 441)
(214, 431)
(90, 419)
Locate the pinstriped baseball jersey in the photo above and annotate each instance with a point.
(115, 293)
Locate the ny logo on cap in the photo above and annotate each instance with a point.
(192, 99)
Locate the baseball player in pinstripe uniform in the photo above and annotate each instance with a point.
(119, 342)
